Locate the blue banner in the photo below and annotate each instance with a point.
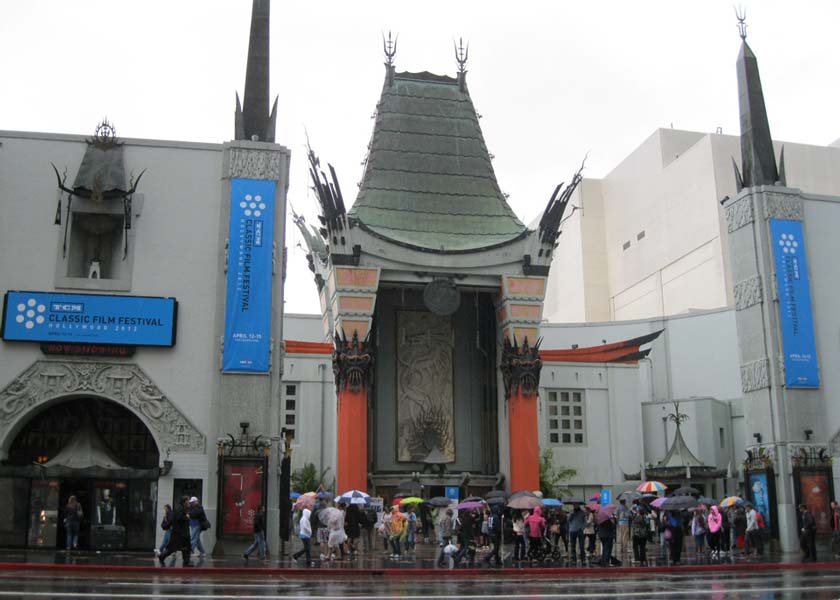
(795, 316)
(606, 497)
(248, 298)
(88, 318)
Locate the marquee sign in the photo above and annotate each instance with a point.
(247, 340)
(795, 316)
(89, 319)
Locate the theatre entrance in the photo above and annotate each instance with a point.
(93, 449)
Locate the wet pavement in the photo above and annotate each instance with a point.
(189, 585)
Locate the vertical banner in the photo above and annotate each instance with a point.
(247, 340)
(242, 495)
(795, 317)
(814, 489)
(759, 494)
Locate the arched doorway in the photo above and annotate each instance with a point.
(96, 450)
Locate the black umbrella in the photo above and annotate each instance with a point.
(473, 499)
(648, 497)
(496, 500)
(409, 485)
(439, 501)
(686, 491)
(496, 494)
(573, 500)
(629, 495)
(402, 495)
(706, 500)
(679, 503)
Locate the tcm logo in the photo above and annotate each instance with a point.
(67, 307)
(30, 313)
(788, 243)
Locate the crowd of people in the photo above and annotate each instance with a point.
(576, 534)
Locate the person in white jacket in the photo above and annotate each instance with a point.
(305, 535)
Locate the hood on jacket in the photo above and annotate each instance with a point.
(714, 508)
(537, 511)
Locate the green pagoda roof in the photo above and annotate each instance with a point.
(428, 180)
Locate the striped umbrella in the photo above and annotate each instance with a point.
(651, 486)
(731, 501)
(354, 497)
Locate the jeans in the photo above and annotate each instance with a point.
(72, 535)
(577, 544)
(395, 545)
(167, 535)
(367, 539)
(307, 550)
(195, 537)
(519, 547)
(259, 542)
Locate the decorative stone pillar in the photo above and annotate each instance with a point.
(350, 293)
(519, 314)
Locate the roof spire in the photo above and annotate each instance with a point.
(390, 49)
(741, 15)
(758, 160)
(253, 121)
(461, 56)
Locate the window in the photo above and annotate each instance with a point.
(722, 439)
(570, 428)
(626, 245)
(289, 404)
(640, 236)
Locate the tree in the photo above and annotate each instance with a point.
(307, 479)
(550, 477)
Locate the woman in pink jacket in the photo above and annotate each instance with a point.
(535, 526)
(715, 524)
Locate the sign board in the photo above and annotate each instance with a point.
(68, 349)
(606, 497)
(795, 316)
(89, 319)
(378, 505)
(247, 340)
(453, 492)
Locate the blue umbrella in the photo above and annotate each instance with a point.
(294, 495)
(322, 495)
(354, 497)
(551, 502)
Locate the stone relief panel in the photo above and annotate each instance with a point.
(748, 293)
(125, 384)
(256, 164)
(834, 444)
(739, 214)
(424, 386)
(755, 375)
(788, 208)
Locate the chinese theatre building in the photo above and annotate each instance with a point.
(432, 292)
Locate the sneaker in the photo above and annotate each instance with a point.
(161, 561)
(323, 557)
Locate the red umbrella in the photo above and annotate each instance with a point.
(595, 497)
(606, 513)
(594, 506)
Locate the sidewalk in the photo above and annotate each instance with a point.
(420, 563)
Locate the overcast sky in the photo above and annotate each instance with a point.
(552, 80)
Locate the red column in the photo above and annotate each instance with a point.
(524, 442)
(352, 440)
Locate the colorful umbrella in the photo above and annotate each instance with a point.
(595, 498)
(354, 497)
(411, 500)
(651, 486)
(470, 505)
(606, 513)
(658, 502)
(731, 501)
(551, 502)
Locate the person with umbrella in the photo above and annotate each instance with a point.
(535, 527)
(715, 521)
(622, 515)
(639, 525)
(411, 528)
(674, 534)
(519, 549)
(577, 521)
(397, 532)
(494, 533)
(305, 535)
(589, 532)
(467, 532)
(353, 519)
(606, 522)
(445, 531)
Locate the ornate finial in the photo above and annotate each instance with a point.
(676, 416)
(461, 54)
(390, 48)
(105, 132)
(741, 15)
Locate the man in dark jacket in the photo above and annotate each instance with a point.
(808, 534)
(494, 532)
(259, 535)
(180, 540)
